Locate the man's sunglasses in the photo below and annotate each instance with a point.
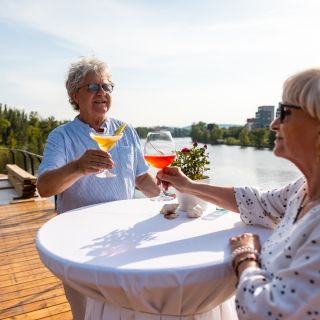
(96, 87)
(283, 110)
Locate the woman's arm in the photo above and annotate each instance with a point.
(221, 196)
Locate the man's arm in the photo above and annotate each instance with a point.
(57, 180)
(148, 185)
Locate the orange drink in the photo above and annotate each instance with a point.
(159, 152)
(159, 161)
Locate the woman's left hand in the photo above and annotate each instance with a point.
(246, 239)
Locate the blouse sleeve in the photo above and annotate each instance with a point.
(265, 208)
(293, 292)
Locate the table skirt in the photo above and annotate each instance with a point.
(98, 310)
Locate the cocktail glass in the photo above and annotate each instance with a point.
(159, 152)
(106, 143)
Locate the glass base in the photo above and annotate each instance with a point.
(105, 174)
(163, 197)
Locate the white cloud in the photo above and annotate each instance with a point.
(222, 59)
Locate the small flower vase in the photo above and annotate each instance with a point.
(190, 204)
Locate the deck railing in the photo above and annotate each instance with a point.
(29, 159)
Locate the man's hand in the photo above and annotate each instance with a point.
(94, 161)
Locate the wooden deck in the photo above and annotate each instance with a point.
(27, 289)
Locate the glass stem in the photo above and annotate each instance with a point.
(162, 193)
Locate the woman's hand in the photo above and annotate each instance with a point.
(94, 161)
(173, 177)
(245, 240)
(245, 252)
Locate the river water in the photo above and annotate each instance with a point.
(237, 166)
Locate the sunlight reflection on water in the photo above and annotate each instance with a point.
(234, 165)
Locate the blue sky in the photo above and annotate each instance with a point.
(174, 62)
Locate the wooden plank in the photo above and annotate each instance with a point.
(21, 286)
(23, 182)
(53, 312)
(28, 290)
(12, 279)
(20, 173)
(35, 296)
(25, 292)
(32, 307)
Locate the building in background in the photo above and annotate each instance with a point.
(250, 123)
(264, 117)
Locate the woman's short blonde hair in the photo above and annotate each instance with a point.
(303, 89)
(79, 70)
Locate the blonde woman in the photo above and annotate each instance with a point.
(281, 279)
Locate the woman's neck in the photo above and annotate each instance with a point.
(312, 196)
(313, 178)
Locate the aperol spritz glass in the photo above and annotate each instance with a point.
(159, 152)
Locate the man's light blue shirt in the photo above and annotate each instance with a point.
(69, 142)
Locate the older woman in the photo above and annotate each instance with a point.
(281, 280)
(71, 158)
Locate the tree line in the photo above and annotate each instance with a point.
(24, 131)
(29, 132)
(212, 134)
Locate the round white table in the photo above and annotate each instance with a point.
(132, 263)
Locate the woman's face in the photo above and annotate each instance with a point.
(296, 137)
(92, 105)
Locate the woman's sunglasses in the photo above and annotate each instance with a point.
(283, 110)
(96, 87)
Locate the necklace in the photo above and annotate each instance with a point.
(302, 205)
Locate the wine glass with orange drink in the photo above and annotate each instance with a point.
(106, 142)
(159, 152)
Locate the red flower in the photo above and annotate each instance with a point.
(185, 150)
(205, 146)
(195, 143)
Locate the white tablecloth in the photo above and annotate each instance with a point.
(133, 263)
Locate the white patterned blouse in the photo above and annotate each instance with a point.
(287, 286)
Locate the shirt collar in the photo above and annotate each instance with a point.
(84, 126)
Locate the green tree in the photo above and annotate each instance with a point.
(244, 137)
(216, 135)
(232, 141)
(259, 137)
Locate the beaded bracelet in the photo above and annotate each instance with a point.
(249, 257)
(243, 249)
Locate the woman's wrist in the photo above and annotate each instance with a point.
(244, 257)
(245, 252)
(187, 187)
(243, 261)
(246, 264)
